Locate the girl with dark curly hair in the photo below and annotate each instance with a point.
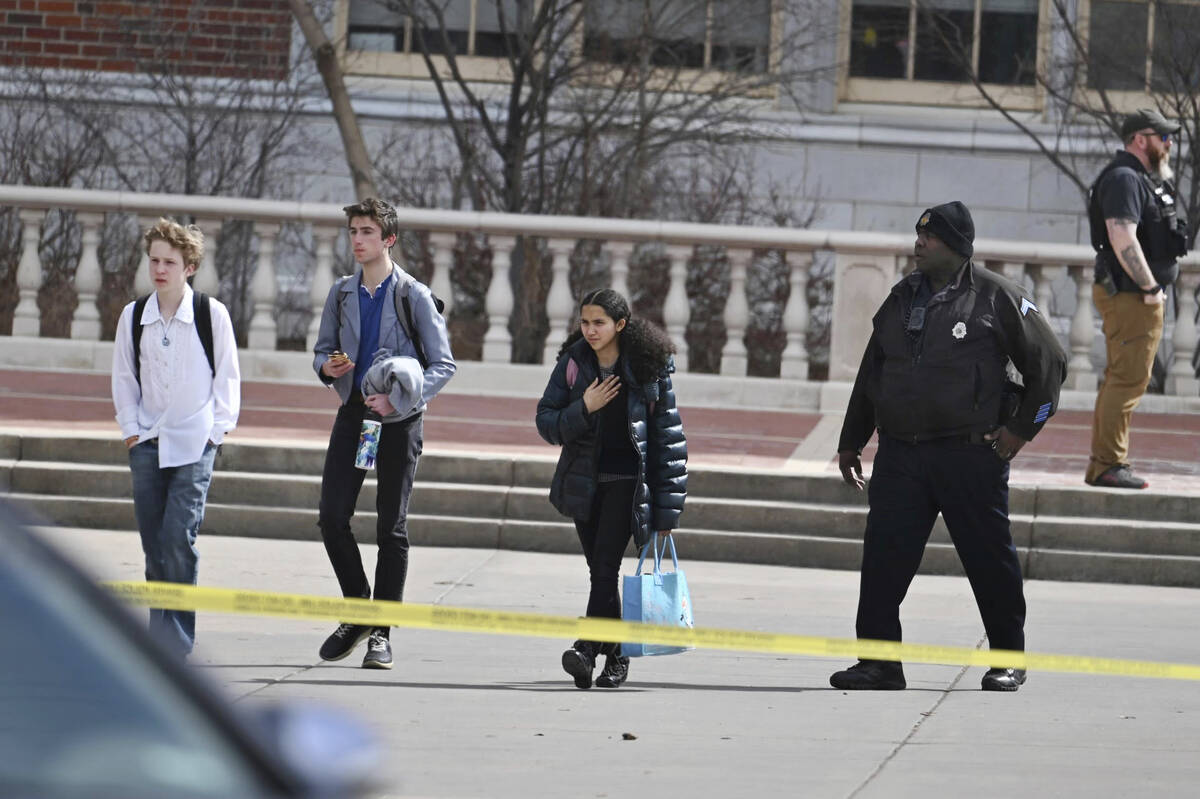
(622, 473)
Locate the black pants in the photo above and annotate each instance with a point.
(604, 538)
(968, 483)
(395, 467)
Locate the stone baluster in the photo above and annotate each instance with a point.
(1014, 271)
(207, 279)
(263, 290)
(142, 283)
(676, 308)
(497, 342)
(1181, 377)
(560, 305)
(322, 280)
(27, 319)
(1080, 375)
(443, 261)
(86, 324)
(794, 361)
(620, 252)
(737, 314)
(1043, 292)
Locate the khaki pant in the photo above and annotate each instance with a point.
(1132, 330)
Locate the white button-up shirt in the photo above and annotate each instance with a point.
(180, 401)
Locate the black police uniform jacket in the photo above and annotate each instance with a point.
(562, 419)
(951, 380)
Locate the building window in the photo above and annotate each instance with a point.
(728, 35)
(472, 27)
(945, 40)
(1143, 46)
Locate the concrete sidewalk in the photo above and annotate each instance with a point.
(491, 716)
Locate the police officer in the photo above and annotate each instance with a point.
(933, 381)
(1138, 235)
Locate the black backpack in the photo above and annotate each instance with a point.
(203, 314)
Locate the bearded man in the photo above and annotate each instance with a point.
(1138, 234)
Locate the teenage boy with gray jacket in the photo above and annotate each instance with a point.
(377, 314)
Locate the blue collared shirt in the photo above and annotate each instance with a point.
(370, 311)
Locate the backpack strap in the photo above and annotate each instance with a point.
(405, 317)
(572, 372)
(201, 309)
(135, 329)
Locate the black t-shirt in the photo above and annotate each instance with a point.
(1124, 193)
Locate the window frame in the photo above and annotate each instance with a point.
(695, 80)
(410, 63)
(1127, 100)
(958, 94)
(495, 69)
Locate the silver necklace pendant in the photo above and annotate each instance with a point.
(166, 342)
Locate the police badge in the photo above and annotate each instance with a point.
(959, 330)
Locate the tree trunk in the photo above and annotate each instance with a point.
(331, 73)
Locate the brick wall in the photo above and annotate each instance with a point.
(222, 38)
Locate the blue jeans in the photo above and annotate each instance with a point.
(169, 504)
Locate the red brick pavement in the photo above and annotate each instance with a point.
(1166, 447)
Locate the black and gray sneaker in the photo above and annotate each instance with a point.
(579, 661)
(343, 641)
(615, 671)
(379, 652)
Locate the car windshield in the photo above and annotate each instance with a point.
(86, 712)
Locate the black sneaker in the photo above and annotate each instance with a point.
(379, 652)
(615, 671)
(343, 641)
(1119, 476)
(870, 675)
(1003, 679)
(579, 661)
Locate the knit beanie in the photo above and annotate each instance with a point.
(951, 222)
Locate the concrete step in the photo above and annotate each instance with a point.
(506, 503)
(298, 459)
(271, 489)
(796, 550)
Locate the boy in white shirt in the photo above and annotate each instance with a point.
(177, 392)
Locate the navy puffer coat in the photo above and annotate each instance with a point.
(562, 419)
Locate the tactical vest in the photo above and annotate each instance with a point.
(1161, 232)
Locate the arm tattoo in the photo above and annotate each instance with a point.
(1135, 264)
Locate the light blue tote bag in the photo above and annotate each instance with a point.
(657, 598)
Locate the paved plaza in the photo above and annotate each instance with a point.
(492, 716)
(465, 715)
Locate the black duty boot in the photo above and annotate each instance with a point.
(579, 661)
(1003, 679)
(870, 675)
(615, 671)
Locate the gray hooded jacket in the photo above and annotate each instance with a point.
(340, 330)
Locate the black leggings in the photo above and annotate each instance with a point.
(604, 538)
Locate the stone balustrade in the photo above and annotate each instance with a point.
(866, 265)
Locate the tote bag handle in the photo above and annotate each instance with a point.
(659, 549)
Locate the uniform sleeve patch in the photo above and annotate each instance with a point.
(1027, 306)
(1043, 413)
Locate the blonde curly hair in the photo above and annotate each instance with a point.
(186, 238)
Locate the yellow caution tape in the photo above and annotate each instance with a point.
(174, 596)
